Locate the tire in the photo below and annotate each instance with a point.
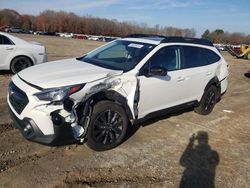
(20, 63)
(208, 101)
(108, 126)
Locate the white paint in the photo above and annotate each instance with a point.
(36, 52)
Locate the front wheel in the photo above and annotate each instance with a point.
(208, 101)
(108, 126)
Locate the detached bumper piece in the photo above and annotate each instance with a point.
(29, 129)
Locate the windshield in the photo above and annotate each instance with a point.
(118, 55)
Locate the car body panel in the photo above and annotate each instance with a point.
(65, 72)
(143, 95)
(34, 51)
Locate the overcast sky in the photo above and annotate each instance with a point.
(230, 15)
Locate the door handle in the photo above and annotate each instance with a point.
(180, 79)
(209, 73)
(9, 48)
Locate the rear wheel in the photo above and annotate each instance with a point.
(20, 63)
(108, 126)
(208, 101)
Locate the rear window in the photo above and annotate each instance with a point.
(4, 40)
(196, 57)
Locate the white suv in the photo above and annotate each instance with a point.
(96, 97)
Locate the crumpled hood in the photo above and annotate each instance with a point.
(64, 72)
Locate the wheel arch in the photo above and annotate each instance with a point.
(114, 97)
(16, 56)
(214, 82)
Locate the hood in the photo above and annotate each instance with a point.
(64, 72)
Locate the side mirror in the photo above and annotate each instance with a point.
(159, 71)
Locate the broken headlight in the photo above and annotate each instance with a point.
(58, 94)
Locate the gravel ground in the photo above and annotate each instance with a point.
(157, 153)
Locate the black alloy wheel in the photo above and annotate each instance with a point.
(208, 101)
(20, 63)
(108, 126)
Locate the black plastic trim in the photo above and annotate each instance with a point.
(32, 85)
(62, 133)
(17, 98)
(214, 81)
(223, 79)
(187, 40)
(171, 39)
(113, 96)
(163, 112)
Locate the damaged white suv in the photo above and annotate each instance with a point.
(96, 97)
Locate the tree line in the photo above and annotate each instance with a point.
(52, 21)
(220, 36)
(61, 21)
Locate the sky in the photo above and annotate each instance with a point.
(229, 15)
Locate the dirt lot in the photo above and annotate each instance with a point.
(159, 153)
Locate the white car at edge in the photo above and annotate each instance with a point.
(98, 96)
(17, 54)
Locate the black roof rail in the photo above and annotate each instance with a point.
(168, 39)
(187, 40)
(143, 35)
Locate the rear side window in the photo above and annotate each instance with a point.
(196, 57)
(4, 40)
(211, 56)
(193, 57)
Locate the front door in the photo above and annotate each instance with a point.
(160, 92)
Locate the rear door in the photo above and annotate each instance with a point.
(6, 48)
(199, 70)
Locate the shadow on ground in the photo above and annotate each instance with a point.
(153, 118)
(200, 162)
(247, 74)
(5, 72)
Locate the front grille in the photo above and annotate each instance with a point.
(17, 98)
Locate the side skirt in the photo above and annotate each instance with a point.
(179, 108)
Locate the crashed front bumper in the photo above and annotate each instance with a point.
(31, 131)
(38, 121)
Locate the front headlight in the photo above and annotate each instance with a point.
(58, 94)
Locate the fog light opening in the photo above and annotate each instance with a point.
(27, 129)
(56, 118)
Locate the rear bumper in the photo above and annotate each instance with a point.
(29, 129)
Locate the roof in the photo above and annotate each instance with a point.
(171, 39)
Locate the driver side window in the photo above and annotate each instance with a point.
(167, 57)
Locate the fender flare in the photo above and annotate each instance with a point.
(23, 55)
(114, 97)
(215, 82)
